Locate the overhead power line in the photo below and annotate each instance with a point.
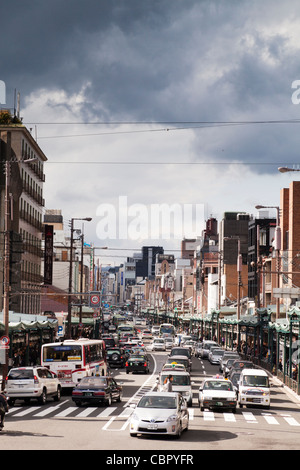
(185, 125)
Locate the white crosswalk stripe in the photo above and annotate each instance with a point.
(208, 416)
(249, 417)
(229, 417)
(290, 420)
(107, 412)
(270, 419)
(124, 413)
(66, 412)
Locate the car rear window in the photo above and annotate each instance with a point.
(20, 374)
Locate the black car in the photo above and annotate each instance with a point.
(109, 341)
(116, 357)
(97, 389)
(234, 377)
(181, 351)
(239, 364)
(137, 363)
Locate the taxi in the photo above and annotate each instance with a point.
(217, 393)
(173, 366)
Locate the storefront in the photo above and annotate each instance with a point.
(27, 333)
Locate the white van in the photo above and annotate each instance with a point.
(254, 388)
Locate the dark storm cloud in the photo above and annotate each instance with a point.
(164, 60)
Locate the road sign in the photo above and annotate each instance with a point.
(95, 299)
(4, 342)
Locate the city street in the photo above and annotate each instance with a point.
(63, 426)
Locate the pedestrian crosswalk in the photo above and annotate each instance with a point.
(111, 414)
(251, 418)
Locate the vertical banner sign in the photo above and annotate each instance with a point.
(92, 269)
(48, 256)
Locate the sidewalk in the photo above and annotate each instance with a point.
(289, 391)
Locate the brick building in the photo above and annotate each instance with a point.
(290, 234)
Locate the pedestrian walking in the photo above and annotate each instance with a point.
(168, 384)
(3, 409)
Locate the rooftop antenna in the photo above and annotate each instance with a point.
(18, 105)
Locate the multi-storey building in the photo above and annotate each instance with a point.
(24, 160)
(260, 265)
(290, 234)
(233, 241)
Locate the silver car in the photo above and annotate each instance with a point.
(206, 345)
(163, 413)
(215, 356)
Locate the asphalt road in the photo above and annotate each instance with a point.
(63, 426)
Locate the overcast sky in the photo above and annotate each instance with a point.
(152, 102)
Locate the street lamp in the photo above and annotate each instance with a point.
(88, 219)
(285, 169)
(271, 207)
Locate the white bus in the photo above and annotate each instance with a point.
(71, 360)
(167, 328)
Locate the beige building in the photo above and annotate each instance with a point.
(23, 157)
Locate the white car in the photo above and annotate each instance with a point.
(159, 413)
(155, 330)
(254, 388)
(27, 383)
(146, 334)
(181, 383)
(169, 342)
(216, 393)
(159, 344)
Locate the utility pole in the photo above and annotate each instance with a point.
(6, 270)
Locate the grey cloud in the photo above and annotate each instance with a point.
(163, 60)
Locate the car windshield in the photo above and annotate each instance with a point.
(180, 352)
(177, 379)
(255, 381)
(218, 352)
(218, 385)
(112, 351)
(20, 374)
(93, 381)
(137, 358)
(229, 362)
(157, 402)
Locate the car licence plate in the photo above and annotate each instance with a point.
(219, 403)
(88, 394)
(152, 426)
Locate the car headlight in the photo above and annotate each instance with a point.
(134, 417)
(172, 418)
